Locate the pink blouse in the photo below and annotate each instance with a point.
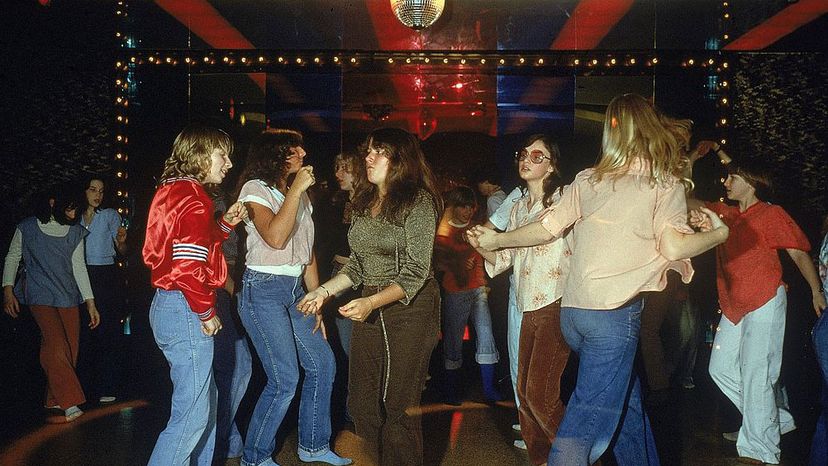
(618, 226)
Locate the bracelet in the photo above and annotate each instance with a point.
(326, 290)
(370, 303)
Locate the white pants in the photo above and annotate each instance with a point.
(515, 318)
(745, 364)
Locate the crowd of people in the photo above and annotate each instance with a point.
(594, 263)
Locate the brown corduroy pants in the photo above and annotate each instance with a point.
(541, 361)
(388, 366)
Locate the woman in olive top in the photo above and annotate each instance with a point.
(396, 321)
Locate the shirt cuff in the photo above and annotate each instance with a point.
(207, 315)
(225, 227)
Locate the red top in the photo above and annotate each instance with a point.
(182, 247)
(461, 264)
(748, 267)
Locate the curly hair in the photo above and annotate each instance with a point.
(633, 127)
(191, 151)
(268, 154)
(408, 174)
(553, 181)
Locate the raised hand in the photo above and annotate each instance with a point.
(304, 179)
(235, 214)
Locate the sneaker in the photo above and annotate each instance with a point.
(516, 427)
(106, 399)
(731, 436)
(688, 383)
(520, 444)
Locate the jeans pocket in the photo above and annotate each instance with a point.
(168, 318)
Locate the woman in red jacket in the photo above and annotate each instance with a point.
(183, 251)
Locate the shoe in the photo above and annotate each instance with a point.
(516, 427)
(688, 383)
(65, 419)
(329, 457)
(731, 436)
(233, 461)
(519, 443)
(106, 399)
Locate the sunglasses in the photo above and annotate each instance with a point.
(535, 156)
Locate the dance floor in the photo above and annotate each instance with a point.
(688, 424)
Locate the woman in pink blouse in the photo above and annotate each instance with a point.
(539, 284)
(629, 220)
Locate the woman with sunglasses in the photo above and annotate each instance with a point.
(629, 226)
(542, 353)
(397, 319)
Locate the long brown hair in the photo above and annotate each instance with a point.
(553, 181)
(408, 173)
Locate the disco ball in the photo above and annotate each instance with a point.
(418, 14)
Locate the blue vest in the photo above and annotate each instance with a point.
(50, 280)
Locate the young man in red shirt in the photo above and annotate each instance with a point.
(747, 351)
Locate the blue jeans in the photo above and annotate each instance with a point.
(232, 366)
(607, 392)
(457, 307)
(819, 446)
(192, 424)
(283, 340)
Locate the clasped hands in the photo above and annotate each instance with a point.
(482, 237)
(357, 309)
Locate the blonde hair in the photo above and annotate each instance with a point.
(191, 151)
(635, 128)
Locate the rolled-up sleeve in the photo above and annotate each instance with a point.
(415, 267)
(562, 214)
(670, 211)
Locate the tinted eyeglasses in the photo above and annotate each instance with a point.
(535, 156)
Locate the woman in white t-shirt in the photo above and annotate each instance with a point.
(279, 260)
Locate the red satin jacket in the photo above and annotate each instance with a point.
(182, 247)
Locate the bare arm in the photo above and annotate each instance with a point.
(313, 300)
(360, 308)
(806, 268)
(277, 228)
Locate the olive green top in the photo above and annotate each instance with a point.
(383, 252)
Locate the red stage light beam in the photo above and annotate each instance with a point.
(780, 25)
(589, 23)
(207, 23)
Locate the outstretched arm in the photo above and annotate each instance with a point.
(806, 268)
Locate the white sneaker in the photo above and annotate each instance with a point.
(516, 427)
(106, 399)
(520, 444)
